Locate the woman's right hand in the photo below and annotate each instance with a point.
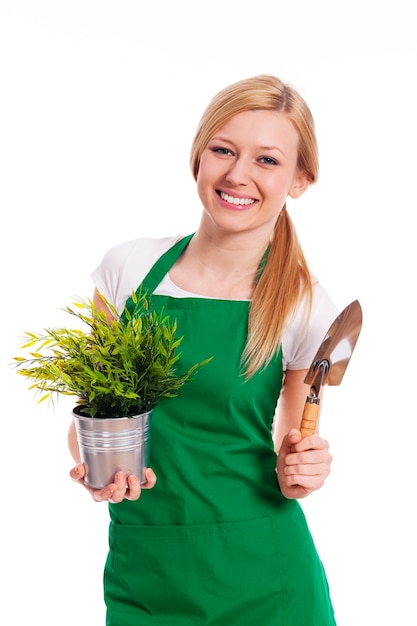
(123, 488)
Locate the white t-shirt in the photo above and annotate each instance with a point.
(125, 266)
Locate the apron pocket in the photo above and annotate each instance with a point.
(209, 574)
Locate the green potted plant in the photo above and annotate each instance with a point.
(118, 370)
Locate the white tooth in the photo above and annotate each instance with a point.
(236, 201)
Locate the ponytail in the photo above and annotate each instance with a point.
(285, 281)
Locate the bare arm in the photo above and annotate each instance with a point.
(291, 404)
(303, 464)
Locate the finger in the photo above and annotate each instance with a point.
(102, 495)
(77, 473)
(310, 483)
(290, 439)
(114, 492)
(150, 479)
(294, 436)
(308, 457)
(312, 442)
(120, 487)
(317, 469)
(133, 488)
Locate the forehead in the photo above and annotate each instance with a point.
(260, 127)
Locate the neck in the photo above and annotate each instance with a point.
(221, 266)
(230, 251)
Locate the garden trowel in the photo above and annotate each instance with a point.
(331, 361)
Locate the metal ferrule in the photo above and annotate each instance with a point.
(313, 399)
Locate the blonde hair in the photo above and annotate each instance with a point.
(286, 278)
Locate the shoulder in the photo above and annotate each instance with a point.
(125, 265)
(145, 250)
(323, 310)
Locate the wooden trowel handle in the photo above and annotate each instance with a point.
(310, 416)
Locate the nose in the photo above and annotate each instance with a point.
(239, 172)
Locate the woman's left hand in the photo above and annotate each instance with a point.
(303, 464)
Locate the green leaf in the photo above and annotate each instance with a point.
(115, 367)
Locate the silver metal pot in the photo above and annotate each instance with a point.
(111, 444)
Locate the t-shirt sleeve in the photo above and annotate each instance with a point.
(303, 335)
(125, 265)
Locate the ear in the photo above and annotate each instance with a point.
(300, 183)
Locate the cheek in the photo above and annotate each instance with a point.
(277, 188)
(203, 184)
(208, 173)
(284, 183)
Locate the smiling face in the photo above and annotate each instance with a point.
(248, 169)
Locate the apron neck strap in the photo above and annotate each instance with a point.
(163, 265)
(157, 272)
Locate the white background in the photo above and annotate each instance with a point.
(99, 102)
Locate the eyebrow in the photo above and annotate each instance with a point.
(267, 148)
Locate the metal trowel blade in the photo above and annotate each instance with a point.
(337, 346)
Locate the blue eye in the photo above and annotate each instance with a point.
(268, 161)
(221, 150)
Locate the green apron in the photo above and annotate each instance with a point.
(214, 543)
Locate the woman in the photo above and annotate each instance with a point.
(216, 535)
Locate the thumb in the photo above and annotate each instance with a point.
(290, 439)
(78, 472)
